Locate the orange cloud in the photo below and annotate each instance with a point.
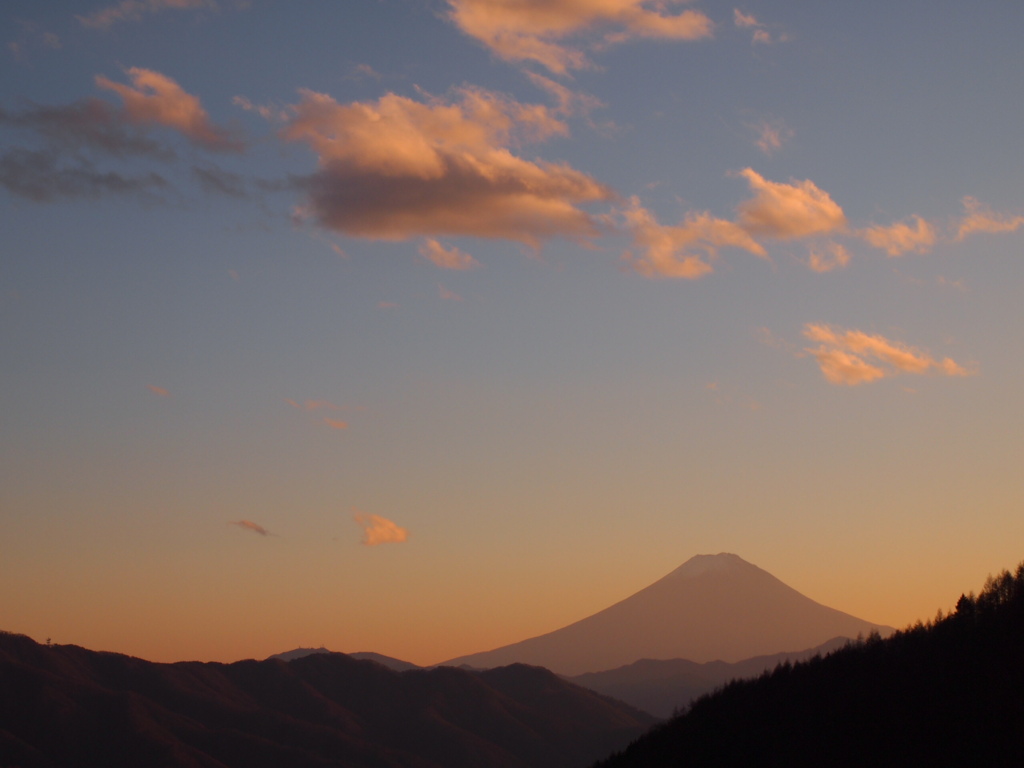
(446, 258)
(158, 390)
(154, 98)
(828, 256)
(399, 168)
(248, 525)
(853, 357)
(979, 219)
(900, 238)
(788, 211)
(685, 250)
(133, 10)
(379, 530)
(313, 405)
(335, 423)
(534, 30)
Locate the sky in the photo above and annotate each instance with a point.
(426, 326)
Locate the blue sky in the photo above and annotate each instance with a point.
(424, 326)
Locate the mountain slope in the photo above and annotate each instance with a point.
(949, 694)
(711, 607)
(662, 687)
(64, 706)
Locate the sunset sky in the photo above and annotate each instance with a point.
(425, 326)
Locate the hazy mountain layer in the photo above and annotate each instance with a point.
(67, 707)
(662, 687)
(713, 607)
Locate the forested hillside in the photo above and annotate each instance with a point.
(946, 693)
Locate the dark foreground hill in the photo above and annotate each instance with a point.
(947, 694)
(68, 707)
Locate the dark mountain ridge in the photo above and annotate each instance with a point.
(949, 693)
(68, 707)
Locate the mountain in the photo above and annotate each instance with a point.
(396, 664)
(391, 663)
(943, 695)
(713, 607)
(298, 653)
(662, 687)
(65, 706)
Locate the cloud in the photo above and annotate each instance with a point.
(39, 175)
(155, 99)
(570, 102)
(134, 10)
(313, 405)
(685, 250)
(771, 135)
(399, 168)
(221, 182)
(447, 295)
(89, 123)
(379, 530)
(777, 210)
(248, 525)
(827, 256)
(335, 423)
(158, 390)
(900, 238)
(446, 258)
(761, 34)
(853, 357)
(534, 30)
(788, 211)
(979, 219)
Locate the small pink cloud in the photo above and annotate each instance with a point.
(158, 390)
(386, 305)
(447, 295)
(446, 258)
(249, 525)
(379, 530)
(335, 423)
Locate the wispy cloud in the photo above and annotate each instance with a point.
(686, 250)
(901, 237)
(824, 257)
(399, 168)
(852, 357)
(379, 530)
(313, 405)
(158, 390)
(446, 258)
(335, 423)
(43, 176)
(759, 30)
(771, 134)
(978, 218)
(135, 10)
(87, 124)
(446, 294)
(155, 99)
(249, 525)
(540, 30)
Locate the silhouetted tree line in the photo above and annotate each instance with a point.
(949, 692)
